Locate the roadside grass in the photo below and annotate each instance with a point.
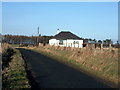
(100, 63)
(4, 47)
(6, 53)
(14, 76)
(14, 45)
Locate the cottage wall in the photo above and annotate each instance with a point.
(67, 43)
(54, 42)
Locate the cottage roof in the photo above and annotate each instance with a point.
(66, 35)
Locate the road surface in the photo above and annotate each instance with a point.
(49, 73)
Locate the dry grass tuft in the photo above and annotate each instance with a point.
(4, 47)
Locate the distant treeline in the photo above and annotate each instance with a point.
(20, 39)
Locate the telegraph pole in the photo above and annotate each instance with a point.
(38, 30)
(38, 36)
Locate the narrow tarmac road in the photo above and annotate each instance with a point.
(49, 73)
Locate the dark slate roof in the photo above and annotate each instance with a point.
(66, 35)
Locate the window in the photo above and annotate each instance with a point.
(75, 42)
(60, 42)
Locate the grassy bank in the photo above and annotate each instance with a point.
(14, 76)
(101, 63)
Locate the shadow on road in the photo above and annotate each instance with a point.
(50, 73)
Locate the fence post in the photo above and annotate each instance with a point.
(101, 46)
(109, 45)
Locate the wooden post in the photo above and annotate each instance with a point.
(78, 45)
(95, 45)
(101, 46)
(109, 45)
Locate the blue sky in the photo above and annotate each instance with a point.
(97, 20)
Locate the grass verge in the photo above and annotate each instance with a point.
(14, 76)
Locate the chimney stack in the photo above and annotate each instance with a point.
(58, 31)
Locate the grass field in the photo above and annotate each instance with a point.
(101, 63)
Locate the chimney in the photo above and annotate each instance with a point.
(58, 31)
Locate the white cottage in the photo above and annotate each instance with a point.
(66, 39)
